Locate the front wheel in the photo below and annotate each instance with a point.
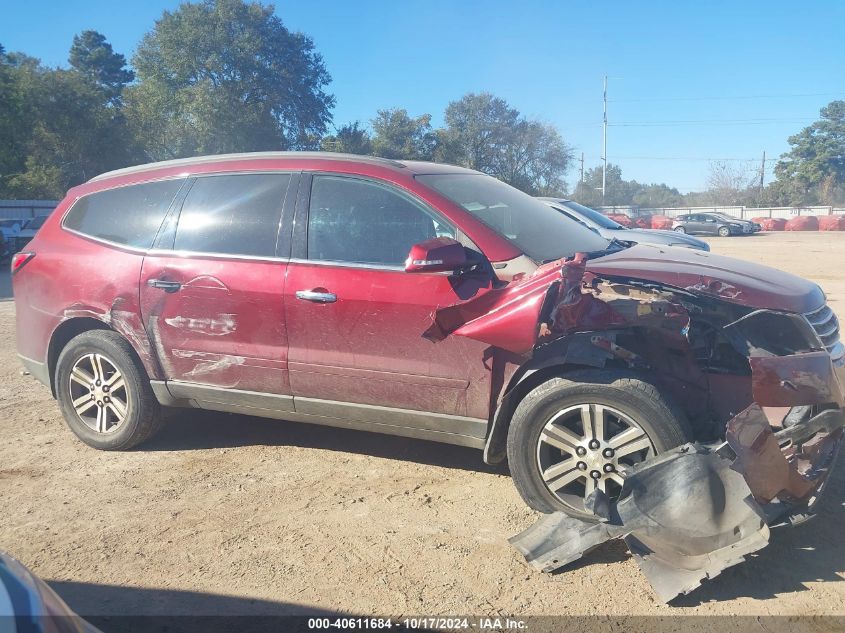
(104, 393)
(680, 229)
(574, 434)
(724, 231)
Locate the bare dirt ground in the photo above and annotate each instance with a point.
(230, 514)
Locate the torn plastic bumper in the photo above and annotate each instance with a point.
(685, 516)
(694, 511)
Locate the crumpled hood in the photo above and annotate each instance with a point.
(733, 280)
(555, 300)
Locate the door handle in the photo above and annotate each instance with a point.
(167, 286)
(315, 296)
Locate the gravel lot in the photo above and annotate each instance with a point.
(230, 514)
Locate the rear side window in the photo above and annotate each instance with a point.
(233, 215)
(128, 215)
(360, 221)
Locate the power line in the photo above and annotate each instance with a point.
(738, 97)
(604, 143)
(682, 122)
(678, 158)
(709, 122)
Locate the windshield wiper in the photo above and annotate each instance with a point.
(616, 244)
(612, 245)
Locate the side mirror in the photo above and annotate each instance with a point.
(439, 254)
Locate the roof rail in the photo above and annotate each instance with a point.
(216, 158)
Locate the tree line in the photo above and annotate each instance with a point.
(219, 76)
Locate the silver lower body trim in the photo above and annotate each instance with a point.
(437, 427)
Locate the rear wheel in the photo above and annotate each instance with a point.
(680, 229)
(724, 231)
(572, 435)
(104, 393)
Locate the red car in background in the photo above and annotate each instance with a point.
(414, 299)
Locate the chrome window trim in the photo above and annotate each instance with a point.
(163, 252)
(100, 240)
(343, 264)
(157, 252)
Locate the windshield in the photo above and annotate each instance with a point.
(592, 215)
(538, 230)
(9, 223)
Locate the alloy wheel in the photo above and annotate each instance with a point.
(98, 393)
(589, 446)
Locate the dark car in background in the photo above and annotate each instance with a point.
(28, 231)
(9, 229)
(755, 227)
(610, 229)
(713, 224)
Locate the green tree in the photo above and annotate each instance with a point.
(478, 126)
(813, 170)
(94, 57)
(227, 75)
(16, 121)
(76, 135)
(57, 129)
(349, 139)
(618, 192)
(534, 159)
(483, 132)
(621, 192)
(397, 135)
(657, 195)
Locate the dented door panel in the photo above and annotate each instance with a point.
(224, 327)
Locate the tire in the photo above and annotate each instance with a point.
(630, 404)
(724, 231)
(100, 424)
(680, 229)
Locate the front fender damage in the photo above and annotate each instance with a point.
(559, 299)
(691, 512)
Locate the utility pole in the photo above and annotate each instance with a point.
(762, 174)
(582, 166)
(604, 144)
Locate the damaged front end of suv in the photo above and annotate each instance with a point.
(762, 388)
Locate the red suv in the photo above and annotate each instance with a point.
(421, 300)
